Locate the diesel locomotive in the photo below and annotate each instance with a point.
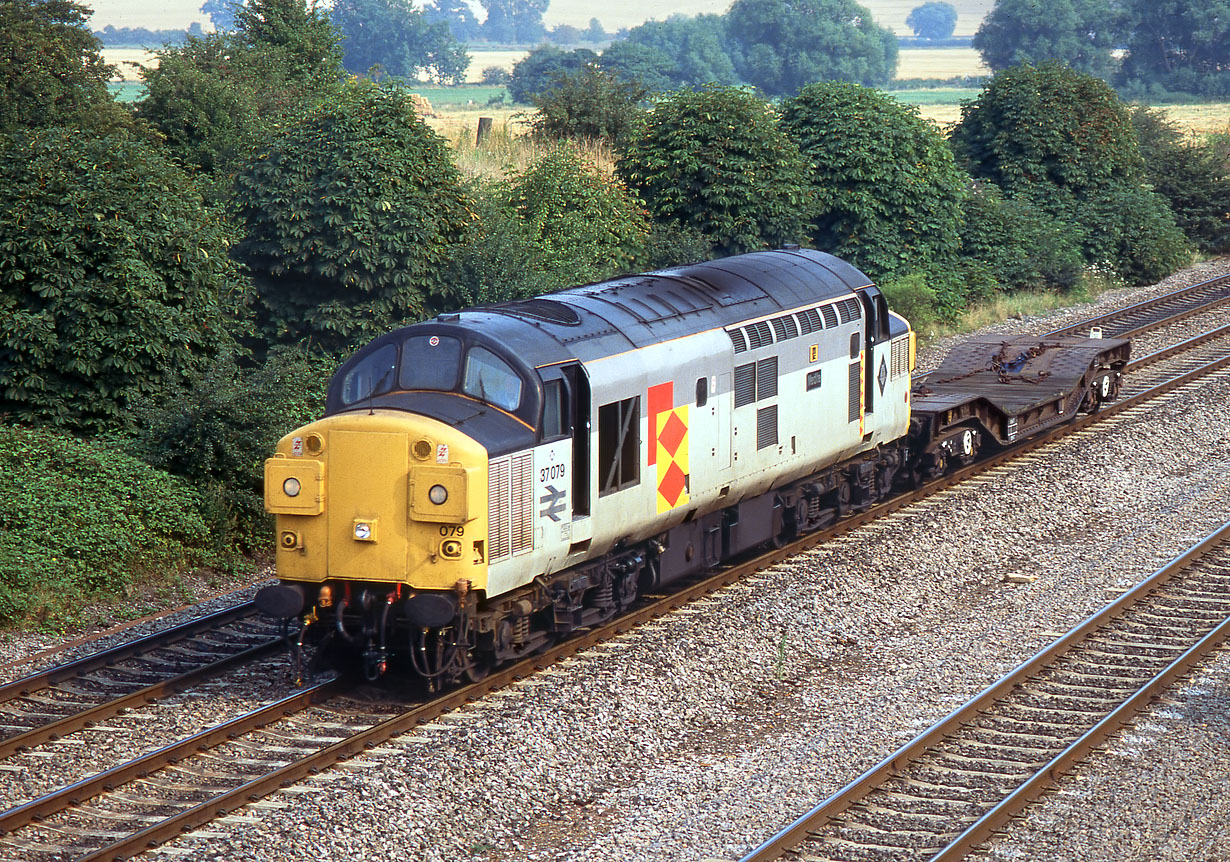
(492, 479)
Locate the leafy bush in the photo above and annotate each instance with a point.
(1063, 142)
(782, 46)
(1131, 232)
(215, 96)
(1193, 177)
(586, 224)
(1021, 246)
(589, 103)
(960, 286)
(912, 298)
(52, 71)
(115, 280)
(348, 216)
(673, 244)
(558, 223)
(534, 72)
(718, 160)
(888, 195)
(82, 522)
(218, 433)
(497, 259)
(1040, 127)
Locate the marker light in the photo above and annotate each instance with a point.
(291, 487)
(438, 494)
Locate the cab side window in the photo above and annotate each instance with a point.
(554, 410)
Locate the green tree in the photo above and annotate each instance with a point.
(51, 69)
(512, 22)
(717, 160)
(594, 32)
(292, 39)
(1045, 128)
(888, 194)
(1178, 46)
(215, 96)
(587, 224)
(457, 15)
(781, 46)
(221, 13)
(589, 103)
(1193, 176)
(1062, 141)
(115, 281)
(687, 52)
(642, 65)
(400, 40)
(535, 72)
(347, 215)
(1080, 33)
(1021, 245)
(935, 20)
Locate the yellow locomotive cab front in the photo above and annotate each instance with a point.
(380, 497)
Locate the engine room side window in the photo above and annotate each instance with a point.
(619, 445)
(489, 378)
(372, 376)
(429, 362)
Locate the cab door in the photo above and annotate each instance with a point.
(875, 334)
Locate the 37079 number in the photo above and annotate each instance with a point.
(555, 471)
(449, 530)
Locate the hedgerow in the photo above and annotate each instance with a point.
(83, 522)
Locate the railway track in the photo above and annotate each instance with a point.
(64, 699)
(1152, 313)
(950, 789)
(133, 806)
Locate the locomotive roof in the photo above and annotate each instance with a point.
(610, 317)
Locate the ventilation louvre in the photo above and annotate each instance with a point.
(766, 427)
(745, 384)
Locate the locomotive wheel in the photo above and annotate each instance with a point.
(478, 669)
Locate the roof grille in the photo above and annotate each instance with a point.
(548, 310)
(785, 327)
(759, 335)
(809, 321)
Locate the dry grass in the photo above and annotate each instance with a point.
(508, 149)
(939, 63)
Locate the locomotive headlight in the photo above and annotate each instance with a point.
(291, 487)
(438, 494)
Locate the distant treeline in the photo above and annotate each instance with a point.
(140, 37)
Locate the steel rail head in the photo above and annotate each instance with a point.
(139, 767)
(79, 720)
(42, 679)
(1181, 347)
(1155, 302)
(1061, 764)
(822, 814)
